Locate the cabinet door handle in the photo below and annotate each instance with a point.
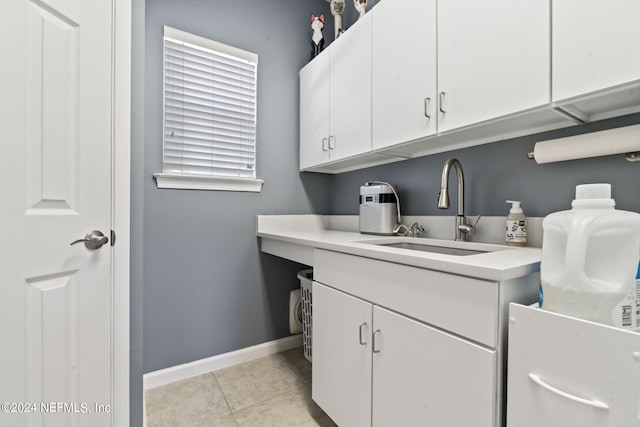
(362, 342)
(374, 346)
(324, 140)
(441, 106)
(426, 107)
(331, 146)
(593, 403)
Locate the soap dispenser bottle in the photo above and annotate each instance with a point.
(516, 229)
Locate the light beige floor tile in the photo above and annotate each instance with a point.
(258, 380)
(294, 408)
(297, 362)
(189, 402)
(226, 421)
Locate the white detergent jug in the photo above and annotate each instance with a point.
(590, 258)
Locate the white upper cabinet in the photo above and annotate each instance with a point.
(314, 111)
(596, 50)
(403, 71)
(351, 91)
(418, 77)
(493, 59)
(335, 100)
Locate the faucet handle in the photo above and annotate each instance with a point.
(468, 228)
(417, 230)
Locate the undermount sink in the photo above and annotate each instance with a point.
(437, 246)
(432, 248)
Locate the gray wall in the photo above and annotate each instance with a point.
(137, 209)
(207, 288)
(496, 172)
(199, 285)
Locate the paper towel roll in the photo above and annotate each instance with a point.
(602, 143)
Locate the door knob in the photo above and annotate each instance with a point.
(93, 240)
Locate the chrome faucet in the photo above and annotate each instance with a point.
(462, 228)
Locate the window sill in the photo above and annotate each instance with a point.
(204, 182)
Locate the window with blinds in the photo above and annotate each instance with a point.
(209, 107)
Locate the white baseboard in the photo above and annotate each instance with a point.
(210, 364)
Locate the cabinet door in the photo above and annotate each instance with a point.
(595, 45)
(565, 371)
(351, 91)
(341, 343)
(493, 59)
(423, 376)
(314, 112)
(403, 71)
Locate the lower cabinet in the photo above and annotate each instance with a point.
(565, 371)
(341, 369)
(372, 366)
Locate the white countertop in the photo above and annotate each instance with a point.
(336, 233)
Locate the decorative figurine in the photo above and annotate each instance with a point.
(337, 7)
(317, 38)
(361, 7)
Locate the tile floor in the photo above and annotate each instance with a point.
(271, 391)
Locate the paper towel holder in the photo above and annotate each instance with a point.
(621, 140)
(631, 157)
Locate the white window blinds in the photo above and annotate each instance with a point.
(209, 107)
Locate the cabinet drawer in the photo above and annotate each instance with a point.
(462, 305)
(566, 371)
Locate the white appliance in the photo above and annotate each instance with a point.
(379, 208)
(564, 371)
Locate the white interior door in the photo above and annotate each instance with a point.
(55, 186)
